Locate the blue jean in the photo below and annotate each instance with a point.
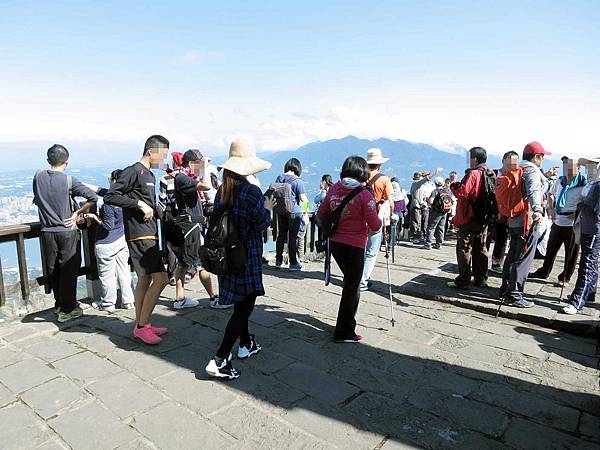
(587, 277)
(373, 245)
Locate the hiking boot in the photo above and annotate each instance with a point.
(296, 267)
(217, 304)
(97, 304)
(356, 338)
(186, 303)
(453, 285)
(522, 303)
(481, 284)
(146, 335)
(570, 309)
(536, 275)
(497, 268)
(249, 349)
(224, 370)
(65, 317)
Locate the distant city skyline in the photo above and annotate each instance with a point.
(101, 77)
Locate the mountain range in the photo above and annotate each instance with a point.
(406, 157)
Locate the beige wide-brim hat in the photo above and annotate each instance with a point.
(374, 156)
(243, 160)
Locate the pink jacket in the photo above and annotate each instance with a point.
(357, 219)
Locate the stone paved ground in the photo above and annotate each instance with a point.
(443, 377)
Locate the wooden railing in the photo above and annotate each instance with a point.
(19, 234)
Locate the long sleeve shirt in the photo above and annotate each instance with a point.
(534, 186)
(112, 227)
(54, 201)
(135, 183)
(466, 192)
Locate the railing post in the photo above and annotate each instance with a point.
(47, 284)
(22, 259)
(2, 291)
(275, 227)
(94, 290)
(313, 228)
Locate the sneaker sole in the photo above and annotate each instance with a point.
(147, 343)
(185, 306)
(222, 376)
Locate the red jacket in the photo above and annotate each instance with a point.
(466, 191)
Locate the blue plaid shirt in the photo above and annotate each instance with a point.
(251, 219)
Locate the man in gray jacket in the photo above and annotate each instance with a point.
(524, 235)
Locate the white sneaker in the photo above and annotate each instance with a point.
(570, 309)
(127, 306)
(216, 304)
(225, 370)
(97, 304)
(252, 348)
(186, 303)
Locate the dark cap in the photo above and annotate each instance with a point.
(535, 148)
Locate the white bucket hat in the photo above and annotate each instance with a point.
(243, 160)
(439, 181)
(374, 156)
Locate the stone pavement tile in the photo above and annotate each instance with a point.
(18, 332)
(437, 376)
(92, 427)
(170, 426)
(86, 367)
(307, 328)
(408, 425)
(52, 349)
(266, 316)
(474, 350)
(318, 384)
(121, 326)
(408, 332)
(528, 404)
(101, 343)
(10, 355)
(55, 395)
(575, 360)
(483, 323)
(144, 364)
(125, 394)
(422, 351)
(215, 319)
(201, 396)
(138, 444)
(21, 428)
(256, 429)
(6, 396)
(26, 374)
(255, 386)
(553, 372)
(478, 370)
(390, 444)
(470, 414)
(445, 328)
(526, 435)
(511, 344)
(558, 340)
(590, 427)
(53, 444)
(330, 425)
(266, 362)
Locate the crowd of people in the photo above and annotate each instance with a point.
(213, 218)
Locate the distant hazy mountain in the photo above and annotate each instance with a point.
(318, 158)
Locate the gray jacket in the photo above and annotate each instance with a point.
(534, 185)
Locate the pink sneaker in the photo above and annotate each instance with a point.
(159, 331)
(146, 335)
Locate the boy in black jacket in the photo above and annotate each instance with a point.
(135, 192)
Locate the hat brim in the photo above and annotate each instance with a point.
(245, 166)
(378, 161)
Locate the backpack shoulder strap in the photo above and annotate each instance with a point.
(373, 180)
(348, 198)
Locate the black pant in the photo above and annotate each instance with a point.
(287, 229)
(351, 261)
(500, 240)
(62, 259)
(517, 263)
(560, 236)
(237, 327)
(471, 253)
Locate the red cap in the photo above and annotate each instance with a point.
(177, 159)
(535, 148)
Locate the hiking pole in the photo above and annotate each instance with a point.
(387, 263)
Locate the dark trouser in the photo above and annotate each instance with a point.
(471, 254)
(415, 223)
(62, 258)
(436, 227)
(560, 236)
(287, 230)
(517, 263)
(424, 222)
(587, 277)
(500, 241)
(351, 261)
(237, 327)
(171, 258)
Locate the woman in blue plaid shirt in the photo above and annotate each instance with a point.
(251, 215)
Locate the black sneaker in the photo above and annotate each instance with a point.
(224, 370)
(247, 350)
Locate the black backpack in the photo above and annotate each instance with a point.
(329, 223)
(223, 252)
(442, 202)
(485, 206)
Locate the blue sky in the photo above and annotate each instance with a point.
(496, 74)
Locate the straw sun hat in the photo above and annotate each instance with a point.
(243, 160)
(374, 156)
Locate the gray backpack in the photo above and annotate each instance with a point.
(283, 196)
